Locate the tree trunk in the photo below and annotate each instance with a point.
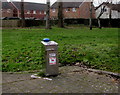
(60, 14)
(48, 26)
(90, 20)
(110, 14)
(22, 14)
(99, 24)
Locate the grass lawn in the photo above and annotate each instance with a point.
(21, 48)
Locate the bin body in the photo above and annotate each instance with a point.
(50, 57)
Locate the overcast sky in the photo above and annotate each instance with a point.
(96, 2)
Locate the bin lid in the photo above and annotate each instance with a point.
(46, 39)
(49, 43)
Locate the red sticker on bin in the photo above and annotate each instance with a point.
(52, 60)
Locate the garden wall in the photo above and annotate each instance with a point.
(10, 23)
(17, 23)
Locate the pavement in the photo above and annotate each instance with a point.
(73, 79)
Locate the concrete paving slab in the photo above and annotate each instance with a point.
(73, 79)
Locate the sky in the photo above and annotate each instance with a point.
(96, 2)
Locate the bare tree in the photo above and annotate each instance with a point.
(22, 14)
(103, 10)
(98, 18)
(48, 25)
(60, 14)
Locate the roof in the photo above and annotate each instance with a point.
(6, 5)
(31, 6)
(3, 1)
(116, 7)
(112, 6)
(68, 4)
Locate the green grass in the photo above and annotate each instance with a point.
(21, 48)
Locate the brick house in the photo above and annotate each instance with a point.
(72, 10)
(7, 9)
(31, 10)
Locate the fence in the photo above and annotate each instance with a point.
(104, 22)
(29, 23)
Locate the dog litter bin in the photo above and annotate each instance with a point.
(50, 56)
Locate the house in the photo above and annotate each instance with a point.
(31, 10)
(72, 10)
(7, 9)
(115, 10)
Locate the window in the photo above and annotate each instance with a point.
(53, 10)
(67, 10)
(74, 9)
(28, 12)
(1, 10)
(44, 12)
(40, 12)
(34, 12)
(8, 10)
(105, 10)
